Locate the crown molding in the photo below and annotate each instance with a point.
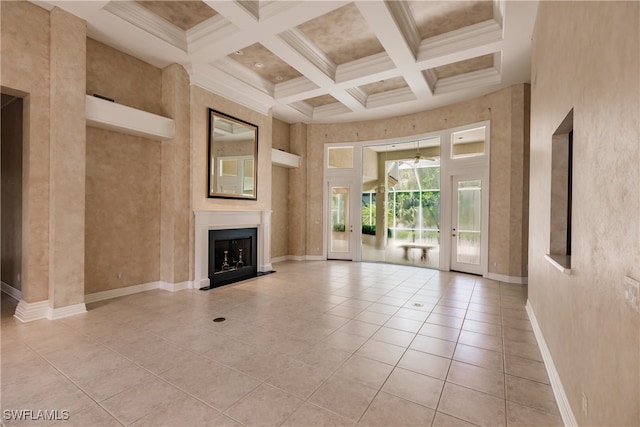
(406, 24)
(390, 97)
(296, 90)
(487, 77)
(148, 21)
(246, 75)
(305, 47)
(209, 32)
(329, 110)
(367, 69)
(465, 43)
(225, 85)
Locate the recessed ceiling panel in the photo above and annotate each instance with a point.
(319, 101)
(182, 14)
(267, 65)
(343, 35)
(384, 86)
(438, 17)
(466, 66)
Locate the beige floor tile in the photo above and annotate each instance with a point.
(93, 416)
(424, 363)
(394, 336)
(410, 313)
(477, 378)
(482, 328)
(531, 393)
(517, 313)
(344, 397)
(398, 302)
(522, 324)
(475, 339)
(522, 349)
(50, 391)
(472, 406)
(439, 331)
(381, 351)
(265, 406)
(366, 371)
(324, 356)
(479, 357)
(524, 416)
(433, 345)
(143, 398)
(344, 341)
(444, 420)
(415, 387)
(485, 308)
(526, 368)
(299, 379)
(449, 311)
(519, 335)
(210, 382)
(345, 311)
(388, 410)
(373, 317)
(407, 325)
(484, 317)
(448, 321)
(363, 329)
(311, 415)
(185, 411)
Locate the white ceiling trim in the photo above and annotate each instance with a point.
(143, 18)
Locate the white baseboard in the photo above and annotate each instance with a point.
(265, 268)
(558, 390)
(120, 292)
(298, 258)
(28, 312)
(517, 280)
(175, 287)
(11, 291)
(70, 310)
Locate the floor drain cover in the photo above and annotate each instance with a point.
(219, 319)
(417, 304)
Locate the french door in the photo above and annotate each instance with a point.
(344, 221)
(468, 224)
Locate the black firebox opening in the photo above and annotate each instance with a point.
(233, 256)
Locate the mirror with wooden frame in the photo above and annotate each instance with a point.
(233, 157)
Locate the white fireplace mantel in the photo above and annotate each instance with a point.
(221, 220)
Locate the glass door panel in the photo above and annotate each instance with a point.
(467, 236)
(341, 221)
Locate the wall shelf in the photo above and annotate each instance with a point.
(112, 116)
(284, 159)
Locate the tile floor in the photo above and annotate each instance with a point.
(315, 344)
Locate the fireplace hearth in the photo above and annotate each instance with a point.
(232, 256)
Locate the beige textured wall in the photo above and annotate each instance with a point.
(67, 147)
(508, 193)
(176, 235)
(586, 57)
(123, 182)
(11, 181)
(200, 101)
(280, 194)
(121, 77)
(25, 71)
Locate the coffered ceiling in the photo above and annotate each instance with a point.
(325, 61)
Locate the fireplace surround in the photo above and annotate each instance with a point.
(229, 220)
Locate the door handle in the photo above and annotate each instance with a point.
(351, 228)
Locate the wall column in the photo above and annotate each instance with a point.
(298, 198)
(176, 221)
(68, 158)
